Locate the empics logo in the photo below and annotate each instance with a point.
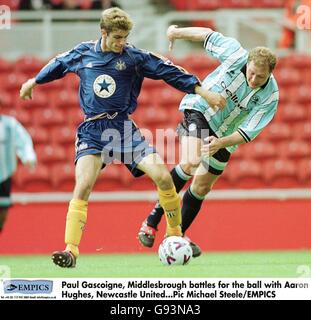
(5, 17)
(27, 286)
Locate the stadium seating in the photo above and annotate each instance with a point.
(50, 154)
(6, 66)
(29, 65)
(35, 180)
(39, 135)
(304, 172)
(280, 173)
(224, 4)
(246, 173)
(63, 176)
(281, 151)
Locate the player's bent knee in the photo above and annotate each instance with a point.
(190, 167)
(164, 180)
(201, 189)
(82, 191)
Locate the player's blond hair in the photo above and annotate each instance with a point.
(115, 19)
(262, 56)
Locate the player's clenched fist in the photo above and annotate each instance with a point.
(26, 90)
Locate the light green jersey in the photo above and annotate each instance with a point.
(14, 141)
(247, 110)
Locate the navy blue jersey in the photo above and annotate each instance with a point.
(111, 82)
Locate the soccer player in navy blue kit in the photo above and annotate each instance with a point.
(111, 74)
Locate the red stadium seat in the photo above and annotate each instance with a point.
(261, 150)
(145, 99)
(72, 82)
(13, 81)
(292, 112)
(168, 97)
(239, 153)
(302, 94)
(300, 61)
(39, 135)
(66, 99)
(304, 172)
(284, 95)
(85, 4)
(6, 66)
(297, 149)
(74, 117)
(63, 135)
(22, 116)
(6, 100)
(29, 65)
(179, 4)
(150, 84)
(51, 89)
(49, 117)
(277, 132)
(13, 4)
(204, 5)
(110, 178)
(35, 180)
(175, 116)
(302, 130)
(246, 174)
(52, 154)
(236, 4)
(155, 117)
(39, 101)
(287, 76)
(199, 61)
(281, 173)
(63, 176)
(272, 3)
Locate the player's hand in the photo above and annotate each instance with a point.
(215, 100)
(26, 90)
(170, 33)
(213, 145)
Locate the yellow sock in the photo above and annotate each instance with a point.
(170, 202)
(76, 220)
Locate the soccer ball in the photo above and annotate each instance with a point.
(175, 251)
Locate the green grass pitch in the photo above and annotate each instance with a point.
(287, 264)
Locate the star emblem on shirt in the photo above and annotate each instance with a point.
(104, 86)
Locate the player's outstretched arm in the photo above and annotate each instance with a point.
(26, 90)
(213, 144)
(191, 33)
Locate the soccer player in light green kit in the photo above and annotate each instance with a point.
(14, 141)
(209, 135)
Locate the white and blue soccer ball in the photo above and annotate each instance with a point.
(175, 251)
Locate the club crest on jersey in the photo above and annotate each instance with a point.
(120, 65)
(255, 99)
(104, 86)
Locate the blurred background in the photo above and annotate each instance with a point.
(263, 199)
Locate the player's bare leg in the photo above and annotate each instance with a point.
(190, 160)
(154, 167)
(87, 170)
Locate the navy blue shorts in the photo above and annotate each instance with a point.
(113, 140)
